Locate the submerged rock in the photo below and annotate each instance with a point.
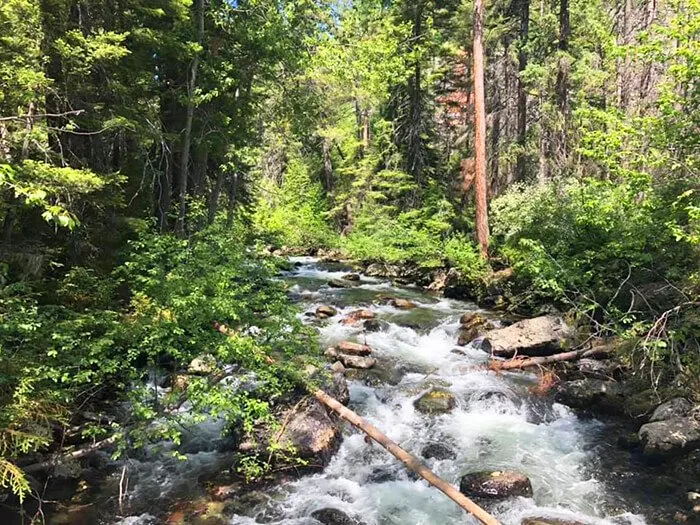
(324, 311)
(339, 283)
(435, 401)
(495, 485)
(670, 437)
(438, 451)
(403, 304)
(352, 277)
(332, 516)
(313, 433)
(540, 336)
(676, 407)
(203, 365)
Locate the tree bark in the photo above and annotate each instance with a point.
(214, 197)
(187, 138)
(411, 462)
(562, 86)
(523, 9)
(482, 225)
(232, 199)
(327, 164)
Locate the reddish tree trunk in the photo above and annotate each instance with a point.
(482, 225)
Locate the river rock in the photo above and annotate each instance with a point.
(372, 325)
(352, 277)
(338, 367)
(356, 361)
(592, 394)
(358, 315)
(203, 365)
(435, 401)
(339, 283)
(324, 311)
(348, 347)
(332, 516)
(313, 433)
(438, 451)
(673, 408)
(670, 437)
(598, 369)
(540, 336)
(495, 485)
(403, 304)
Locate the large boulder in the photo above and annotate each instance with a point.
(592, 394)
(495, 485)
(540, 336)
(330, 516)
(435, 401)
(670, 437)
(312, 433)
(673, 408)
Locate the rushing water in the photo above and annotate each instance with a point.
(577, 472)
(497, 424)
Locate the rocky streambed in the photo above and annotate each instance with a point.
(414, 364)
(525, 455)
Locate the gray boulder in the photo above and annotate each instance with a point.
(592, 394)
(540, 336)
(673, 408)
(670, 437)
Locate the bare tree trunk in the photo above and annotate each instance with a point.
(624, 64)
(327, 164)
(365, 129)
(411, 462)
(482, 225)
(232, 197)
(214, 197)
(187, 139)
(523, 9)
(647, 80)
(562, 87)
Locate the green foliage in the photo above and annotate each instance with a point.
(295, 213)
(60, 351)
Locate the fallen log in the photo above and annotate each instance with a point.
(76, 454)
(411, 462)
(574, 355)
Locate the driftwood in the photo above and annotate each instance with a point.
(76, 454)
(411, 462)
(574, 355)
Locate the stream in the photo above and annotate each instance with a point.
(497, 423)
(578, 474)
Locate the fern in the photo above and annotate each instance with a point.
(12, 477)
